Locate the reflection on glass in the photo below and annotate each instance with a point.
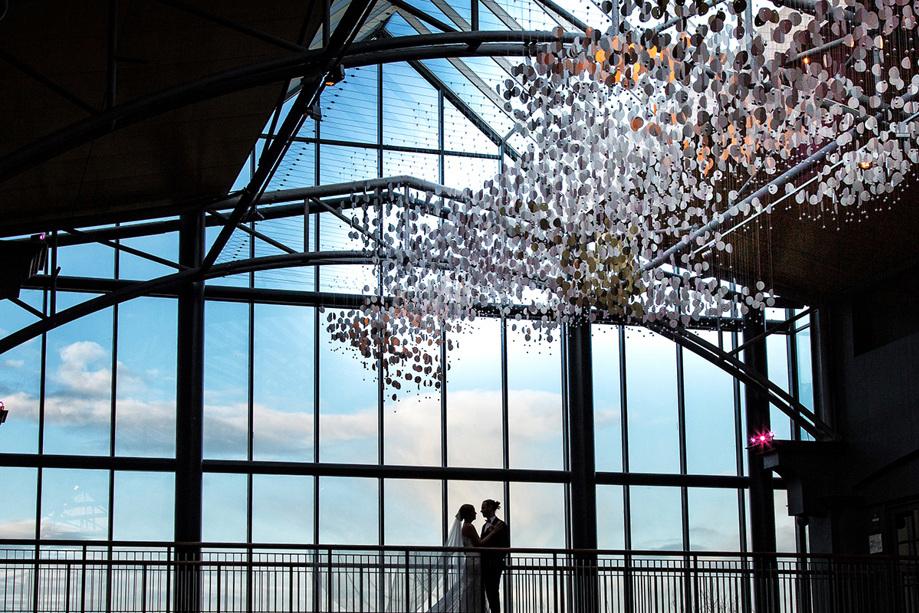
(144, 506)
(226, 359)
(74, 504)
(223, 508)
(412, 512)
(607, 402)
(474, 423)
(282, 509)
(656, 515)
(711, 439)
(17, 502)
(348, 511)
(348, 402)
(654, 444)
(283, 349)
(78, 399)
(610, 518)
(534, 390)
(146, 390)
(713, 521)
(537, 515)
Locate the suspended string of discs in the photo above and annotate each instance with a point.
(647, 148)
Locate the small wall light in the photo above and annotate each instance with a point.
(762, 440)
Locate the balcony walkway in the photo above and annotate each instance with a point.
(71, 576)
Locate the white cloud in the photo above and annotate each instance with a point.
(14, 364)
(22, 529)
(74, 372)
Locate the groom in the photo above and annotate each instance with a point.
(493, 563)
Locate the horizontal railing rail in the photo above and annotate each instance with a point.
(102, 576)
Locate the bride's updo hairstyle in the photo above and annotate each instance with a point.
(466, 512)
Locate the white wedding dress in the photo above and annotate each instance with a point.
(462, 577)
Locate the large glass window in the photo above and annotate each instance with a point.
(534, 390)
(474, 404)
(654, 444)
(283, 387)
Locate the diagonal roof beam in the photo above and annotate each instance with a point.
(347, 28)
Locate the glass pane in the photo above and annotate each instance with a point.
(474, 423)
(348, 402)
(607, 402)
(349, 109)
(165, 246)
(713, 521)
(223, 508)
(711, 438)
(146, 390)
(20, 378)
(412, 512)
(537, 515)
(78, 402)
(474, 492)
(656, 518)
(282, 509)
(226, 351)
(283, 384)
(610, 518)
(345, 164)
(534, 390)
(74, 504)
(463, 172)
(17, 502)
(421, 165)
(298, 167)
(144, 506)
(654, 445)
(88, 260)
(805, 368)
(777, 354)
(289, 232)
(410, 108)
(412, 428)
(348, 511)
(785, 539)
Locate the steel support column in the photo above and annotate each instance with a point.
(583, 499)
(189, 416)
(762, 496)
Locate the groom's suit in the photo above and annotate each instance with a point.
(493, 563)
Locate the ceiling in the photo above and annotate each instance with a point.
(55, 76)
(55, 81)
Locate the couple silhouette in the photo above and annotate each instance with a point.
(482, 570)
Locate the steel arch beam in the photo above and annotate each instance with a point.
(307, 64)
(730, 364)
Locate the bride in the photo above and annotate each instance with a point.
(464, 592)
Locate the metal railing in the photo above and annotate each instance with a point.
(67, 576)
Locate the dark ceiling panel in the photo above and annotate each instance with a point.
(172, 158)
